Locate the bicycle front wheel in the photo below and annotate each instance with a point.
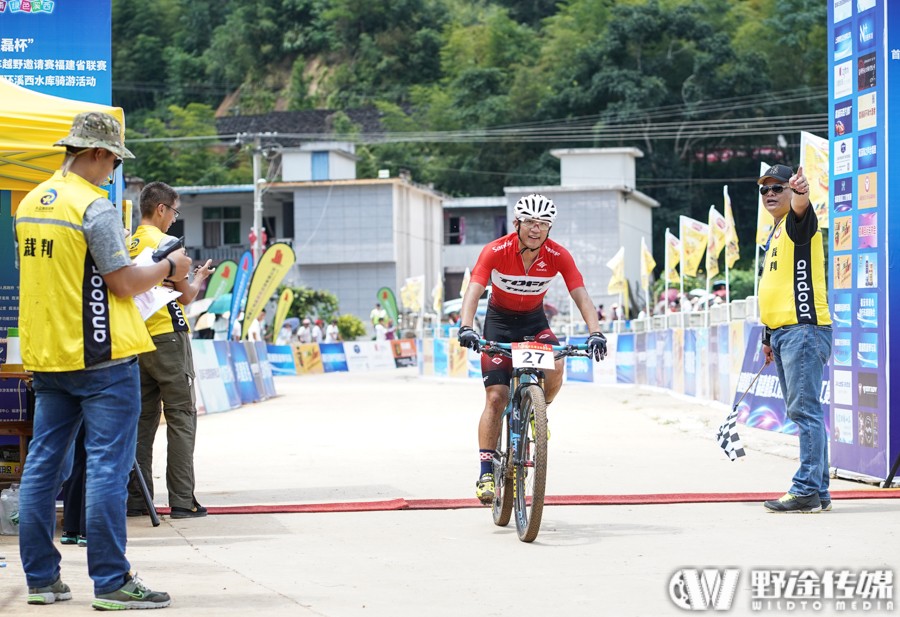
(503, 488)
(530, 463)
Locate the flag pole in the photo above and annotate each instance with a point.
(709, 258)
(666, 276)
(681, 273)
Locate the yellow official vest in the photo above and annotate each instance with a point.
(68, 318)
(792, 288)
(169, 318)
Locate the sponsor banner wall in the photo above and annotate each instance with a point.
(864, 61)
(308, 358)
(640, 358)
(579, 369)
(404, 352)
(246, 385)
(333, 357)
(255, 369)
(690, 362)
(369, 355)
(208, 378)
(605, 370)
(457, 359)
(281, 358)
(426, 353)
(678, 360)
(265, 368)
(441, 360)
(625, 358)
(227, 372)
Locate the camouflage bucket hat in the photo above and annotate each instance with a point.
(94, 129)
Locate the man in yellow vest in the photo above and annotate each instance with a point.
(80, 334)
(793, 306)
(167, 374)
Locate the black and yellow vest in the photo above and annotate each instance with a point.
(171, 317)
(792, 288)
(68, 318)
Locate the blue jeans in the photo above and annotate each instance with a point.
(107, 401)
(801, 352)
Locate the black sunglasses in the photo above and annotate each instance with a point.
(117, 163)
(775, 188)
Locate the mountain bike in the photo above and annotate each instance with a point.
(520, 459)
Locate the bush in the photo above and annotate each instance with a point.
(351, 327)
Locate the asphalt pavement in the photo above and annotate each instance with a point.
(343, 438)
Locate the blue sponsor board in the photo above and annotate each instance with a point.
(441, 359)
(859, 380)
(842, 41)
(281, 359)
(843, 194)
(226, 369)
(640, 358)
(625, 358)
(265, 369)
(334, 359)
(246, 385)
(867, 151)
(58, 47)
(690, 362)
(724, 373)
(579, 368)
(843, 117)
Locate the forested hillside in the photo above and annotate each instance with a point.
(474, 94)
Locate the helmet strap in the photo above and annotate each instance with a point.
(519, 238)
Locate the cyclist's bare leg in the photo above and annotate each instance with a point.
(495, 401)
(553, 381)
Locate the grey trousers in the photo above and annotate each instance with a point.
(167, 386)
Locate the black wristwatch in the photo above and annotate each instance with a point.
(171, 267)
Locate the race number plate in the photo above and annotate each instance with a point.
(533, 355)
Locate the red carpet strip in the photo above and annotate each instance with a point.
(551, 500)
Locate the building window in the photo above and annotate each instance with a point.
(455, 230)
(320, 165)
(221, 226)
(499, 226)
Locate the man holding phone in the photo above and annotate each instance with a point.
(167, 374)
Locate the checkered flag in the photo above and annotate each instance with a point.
(728, 437)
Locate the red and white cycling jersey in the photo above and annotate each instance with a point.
(514, 289)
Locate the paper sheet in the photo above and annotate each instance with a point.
(155, 298)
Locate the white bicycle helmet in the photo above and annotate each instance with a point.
(535, 207)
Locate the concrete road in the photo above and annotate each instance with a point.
(349, 438)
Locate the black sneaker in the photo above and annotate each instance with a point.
(69, 537)
(809, 504)
(133, 594)
(130, 512)
(49, 594)
(826, 505)
(195, 511)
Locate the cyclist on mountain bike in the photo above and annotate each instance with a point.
(520, 266)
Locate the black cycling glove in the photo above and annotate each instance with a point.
(597, 345)
(468, 338)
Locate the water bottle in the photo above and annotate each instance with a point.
(9, 511)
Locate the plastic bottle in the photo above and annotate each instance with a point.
(9, 511)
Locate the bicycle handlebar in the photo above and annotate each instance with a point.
(559, 351)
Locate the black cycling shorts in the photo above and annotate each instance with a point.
(503, 327)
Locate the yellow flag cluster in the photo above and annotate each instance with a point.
(412, 294)
(716, 242)
(732, 250)
(694, 236)
(673, 257)
(647, 264)
(617, 283)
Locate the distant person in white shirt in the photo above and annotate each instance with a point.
(317, 335)
(284, 335)
(255, 331)
(304, 333)
(380, 331)
(332, 333)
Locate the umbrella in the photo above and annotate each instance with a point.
(206, 321)
(220, 305)
(293, 322)
(199, 307)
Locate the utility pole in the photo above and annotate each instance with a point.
(256, 249)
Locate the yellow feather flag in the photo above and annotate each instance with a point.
(673, 256)
(617, 282)
(465, 283)
(716, 242)
(281, 310)
(764, 221)
(647, 264)
(437, 296)
(732, 250)
(694, 236)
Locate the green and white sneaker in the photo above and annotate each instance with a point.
(133, 594)
(49, 594)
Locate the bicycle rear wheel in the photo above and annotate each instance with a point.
(503, 489)
(530, 463)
